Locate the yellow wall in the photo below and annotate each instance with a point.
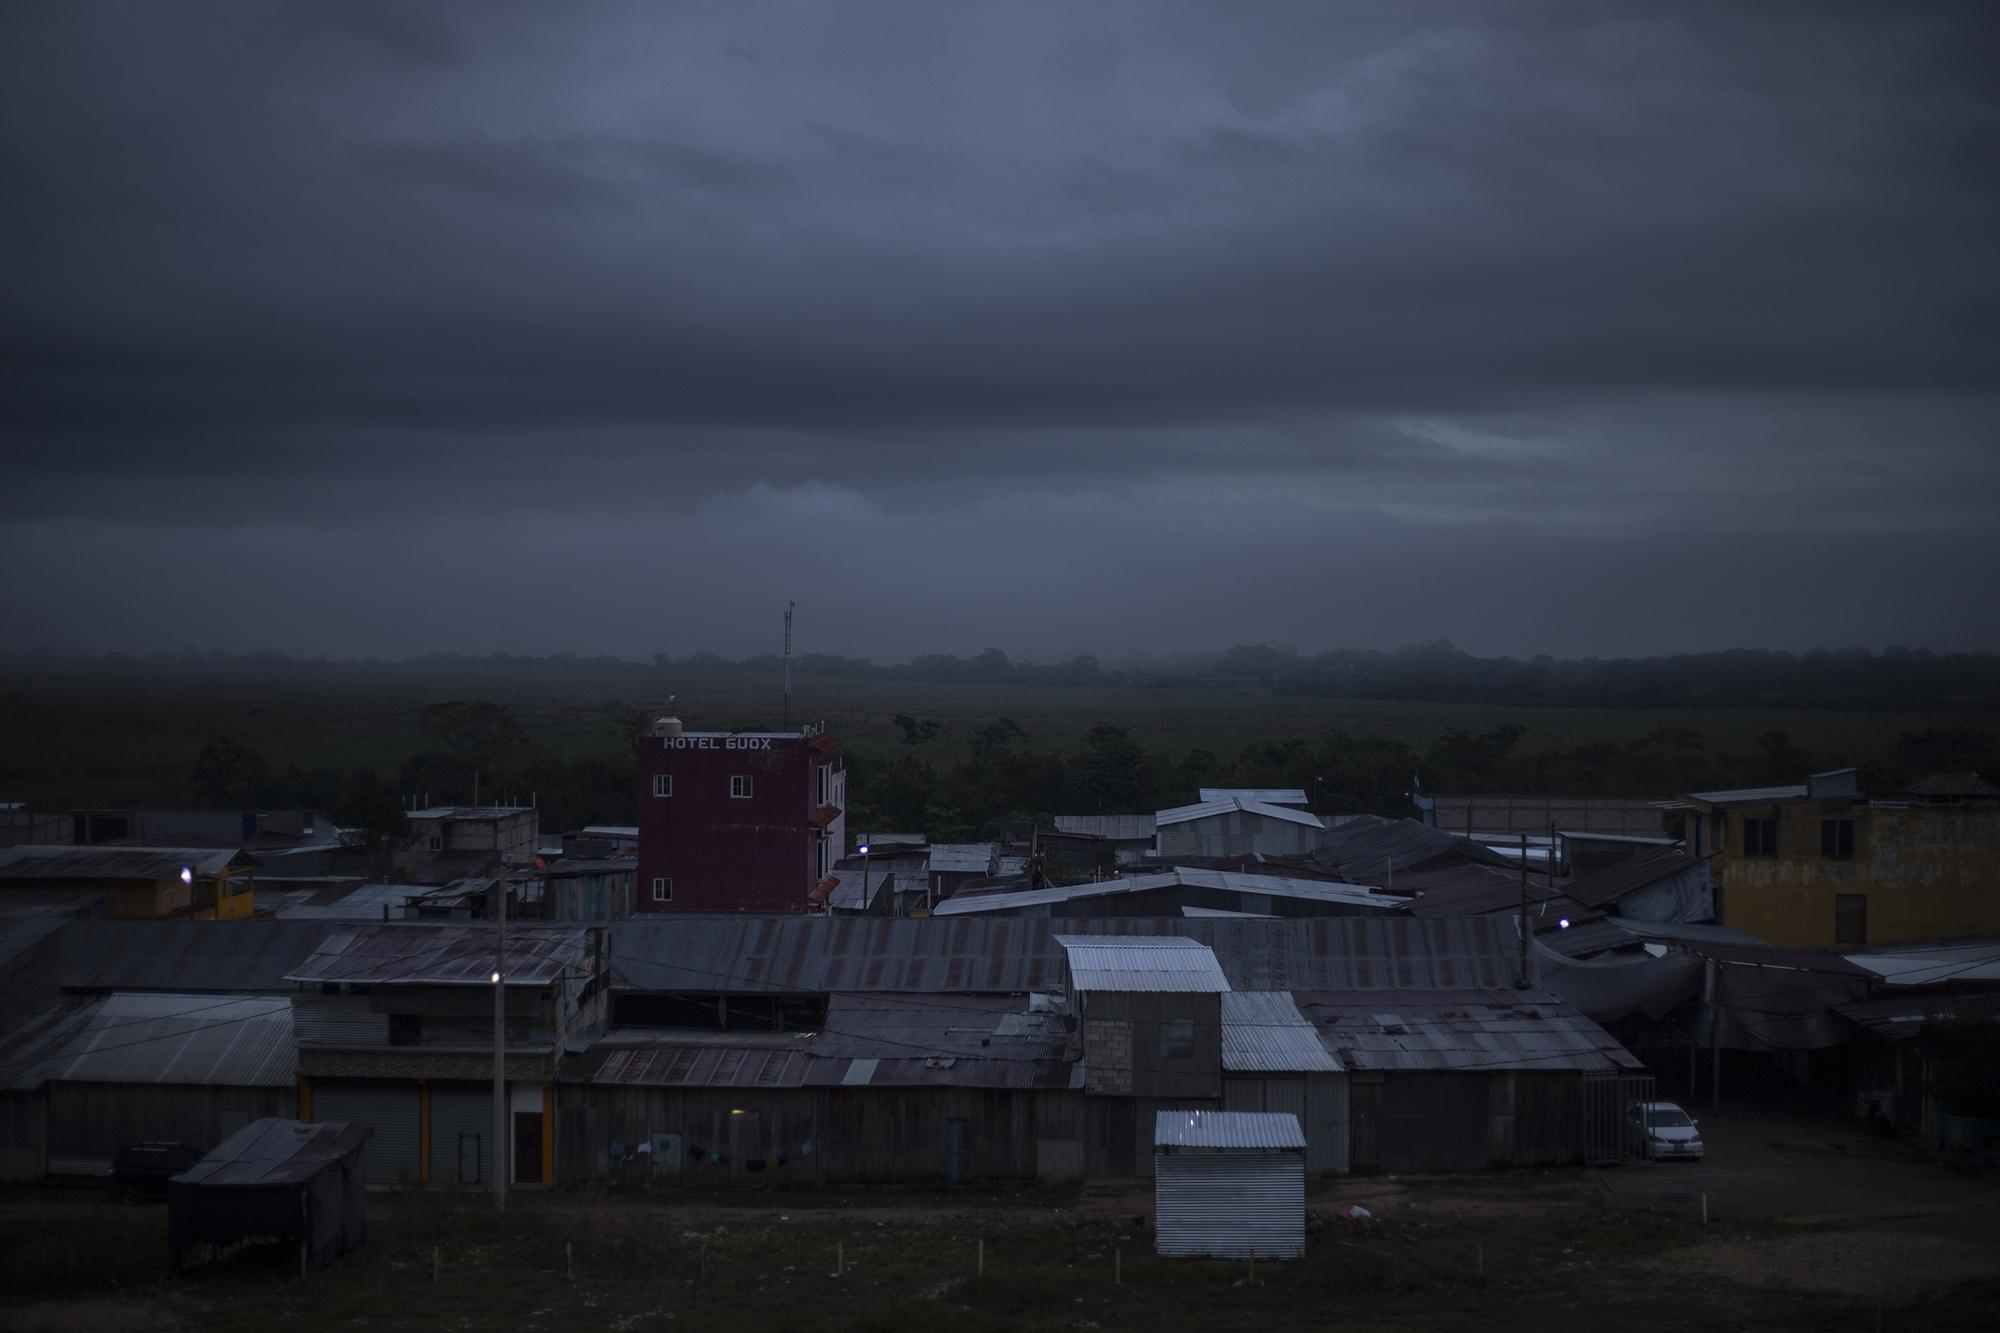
(1927, 872)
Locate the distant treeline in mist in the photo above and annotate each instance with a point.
(1895, 679)
(1850, 678)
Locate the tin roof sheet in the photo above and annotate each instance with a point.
(275, 1152)
(1470, 1029)
(1900, 1017)
(1930, 966)
(1263, 1032)
(1751, 795)
(441, 955)
(1228, 881)
(1603, 887)
(141, 863)
(1261, 795)
(185, 955)
(1181, 814)
(1117, 828)
(236, 1042)
(963, 858)
(817, 955)
(1267, 1131)
(1161, 963)
(1368, 849)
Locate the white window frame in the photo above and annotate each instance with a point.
(663, 889)
(663, 784)
(741, 787)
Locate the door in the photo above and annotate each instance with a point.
(527, 1147)
(954, 1148)
(461, 1134)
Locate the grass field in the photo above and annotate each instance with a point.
(1434, 1258)
(104, 736)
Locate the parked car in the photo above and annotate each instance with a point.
(142, 1170)
(1662, 1130)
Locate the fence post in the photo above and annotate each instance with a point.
(982, 1257)
(1117, 1267)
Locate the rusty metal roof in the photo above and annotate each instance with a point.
(1263, 1032)
(441, 955)
(1494, 1028)
(999, 955)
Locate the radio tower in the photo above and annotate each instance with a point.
(787, 724)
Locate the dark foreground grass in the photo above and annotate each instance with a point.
(652, 1263)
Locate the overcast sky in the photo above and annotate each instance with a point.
(1575, 328)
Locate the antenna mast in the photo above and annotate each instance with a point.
(787, 724)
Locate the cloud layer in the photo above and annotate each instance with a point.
(1566, 328)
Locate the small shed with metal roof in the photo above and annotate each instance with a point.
(275, 1180)
(1234, 827)
(1229, 1185)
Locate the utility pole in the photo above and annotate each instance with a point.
(1715, 1034)
(1522, 983)
(502, 1158)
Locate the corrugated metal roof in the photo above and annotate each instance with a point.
(141, 863)
(441, 955)
(1475, 890)
(275, 1152)
(1471, 1029)
(1602, 887)
(1929, 966)
(991, 955)
(27, 1049)
(185, 955)
(362, 903)
(1965, 786)
(1261, 795)
(1181, 814)
(1368, 849)
(1117, 828)
(1270, 1131)
(1751, 795)
(1230, 881)
(1900, 1017)
(611, 831)
(963, 858)
(1263, 1032)
(692, 1067)
(1163, 963)
(241, 1041)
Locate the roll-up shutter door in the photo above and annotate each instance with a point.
(461, 1134)
(392, 1109)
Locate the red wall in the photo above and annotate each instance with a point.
(726, 854)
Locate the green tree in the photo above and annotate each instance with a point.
(227, 775)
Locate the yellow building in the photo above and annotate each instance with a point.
(1820, 865)
(200, 882)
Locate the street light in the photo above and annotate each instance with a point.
(187, 875)
(862, 847)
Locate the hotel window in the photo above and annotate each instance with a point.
(663, 784)
(663, 889)
(739, 787)
(1760, 837)
(1836, 839)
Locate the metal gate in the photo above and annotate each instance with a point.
(1610, 1126)
(462, 1134)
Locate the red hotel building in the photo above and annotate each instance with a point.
(737, 821)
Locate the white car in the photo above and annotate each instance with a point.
(1663, 1130)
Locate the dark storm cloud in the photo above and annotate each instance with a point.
(1704, 274)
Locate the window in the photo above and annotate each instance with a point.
(1850, 918)
(1177, 1039)
(436, 843)
(663, 889)
(1836, 839)
(825, 784)
(825, 857)
(406, 1029)
(663, 784)
(739, 787)
(1760, 837)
